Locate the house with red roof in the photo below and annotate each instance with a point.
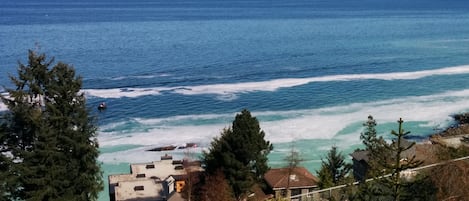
(294, 182)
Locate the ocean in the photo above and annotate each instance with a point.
(177, 71)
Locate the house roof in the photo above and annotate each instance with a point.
(363, 155)
(300, 177)
(151, 181)
(360, 155)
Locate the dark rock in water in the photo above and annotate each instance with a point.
(462, 118)
(165, 148)
(172, 147)
(416, 138)
(455, 130)
(188, 145)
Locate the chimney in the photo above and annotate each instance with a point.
(293, 177)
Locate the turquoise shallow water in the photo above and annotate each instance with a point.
(174, 72)
(109, 169)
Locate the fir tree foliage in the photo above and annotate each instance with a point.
(334, 169)
(369, 137)
(421, 188)
(390, 185)
(375, 147)
(399, 163)
(373, 144)
(4, 170)
(325, 177)
(241, 153)
(50, 134)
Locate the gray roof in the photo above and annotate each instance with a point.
(360, 155)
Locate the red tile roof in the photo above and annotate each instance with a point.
(278, 178)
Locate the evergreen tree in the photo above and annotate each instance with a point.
(375, 147)
(8, 181)
(421, 188)
(334, 167)
(389, 185)
(362, 192)
(369, 137)
(4, 170)
(241, 153)
(50, 134)
(325, 177)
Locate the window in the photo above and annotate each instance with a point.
(140, 175)
(177, 162)
(139, 188)
(295, 192)
(150, 166)
(283, 193)
(310, 194)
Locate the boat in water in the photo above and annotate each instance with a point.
(102, 106)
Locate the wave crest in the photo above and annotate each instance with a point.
(228, 91)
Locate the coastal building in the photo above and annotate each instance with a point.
(360, 159)
(288, 182)
(159, 180)
(360, 164)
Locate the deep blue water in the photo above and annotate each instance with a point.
(71, 11)
(311, 71)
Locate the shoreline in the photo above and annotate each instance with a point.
(454, 134)
(460, 127)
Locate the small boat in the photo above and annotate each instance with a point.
(102, 106)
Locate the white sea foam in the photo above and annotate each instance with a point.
(146, 156)
(3, 107)
(322, 123)
(122, 92)
(229, 91)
